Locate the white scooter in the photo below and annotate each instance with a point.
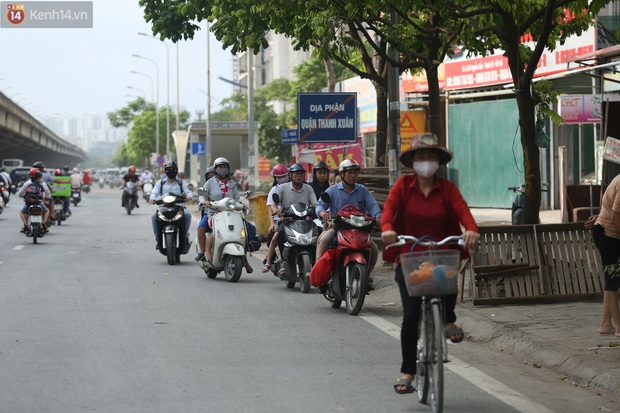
(229, 246)
(147, 188)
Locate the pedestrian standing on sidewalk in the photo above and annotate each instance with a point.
(418, 205)
(606, 236)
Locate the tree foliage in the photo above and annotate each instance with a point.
(141, 142)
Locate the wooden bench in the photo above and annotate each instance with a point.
(534, 263)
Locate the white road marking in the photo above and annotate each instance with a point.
(483, 381)
(19, 247)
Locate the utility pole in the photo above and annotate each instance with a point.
(393, 110)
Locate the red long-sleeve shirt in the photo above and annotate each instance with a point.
(408, 212)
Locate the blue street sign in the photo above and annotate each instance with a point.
(198, 148)
(289, 136)
(326, 117)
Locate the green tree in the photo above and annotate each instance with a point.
(141, 140)
(501, 25)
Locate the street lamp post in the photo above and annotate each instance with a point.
(157, 103)
(150, 78)
(167, 94)
(139, 90)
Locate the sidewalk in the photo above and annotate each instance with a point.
(561, 337)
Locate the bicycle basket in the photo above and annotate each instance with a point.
(431, 273)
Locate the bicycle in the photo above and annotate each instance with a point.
(430, 274)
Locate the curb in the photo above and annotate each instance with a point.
(480, 329)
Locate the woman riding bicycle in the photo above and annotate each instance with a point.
(418, 205)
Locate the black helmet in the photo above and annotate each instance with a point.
(210, 170)
(39, 165)
(320, 165)
(296, 167)
(170, 164)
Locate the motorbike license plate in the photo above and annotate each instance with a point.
(75, 195)
(36, 219)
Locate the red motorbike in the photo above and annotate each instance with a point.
(350, 258)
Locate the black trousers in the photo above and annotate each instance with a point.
(609, 248)
(411, 318)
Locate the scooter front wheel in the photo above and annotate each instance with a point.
(170, 248)
(233, 265)
(303, 270)
(357, 284)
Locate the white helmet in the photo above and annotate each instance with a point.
(348, 164)
(221, 161)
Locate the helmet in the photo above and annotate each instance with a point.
(33, 170)
(132, 169)
(279, 170)
(58, 172)
(210, 171)
(220, 161)
(320, 165)
(39, 165)
(170, 164)
(296, 167)
(76, 170)
(348, 164)
(37, 175)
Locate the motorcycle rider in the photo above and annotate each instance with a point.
(130, 176)
(320, 178)
(87, 179)
(146, 176)
(48, 179)
(173, 185)
(280, 177)
(217, 187)
(76, 179)
(201, 199)
(348, 191)
(6, 179)
(294, 191)
(35, 186)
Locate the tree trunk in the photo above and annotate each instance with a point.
(382, 125)
(329, 73)
(531, 156)
(434, 101)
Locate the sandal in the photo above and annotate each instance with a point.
(455, 331)
(406, 383)
(266, 268)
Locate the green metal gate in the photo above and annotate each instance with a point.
(488, 156)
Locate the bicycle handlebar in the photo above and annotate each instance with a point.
(403, 239)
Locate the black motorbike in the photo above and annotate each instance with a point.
(299, 251)
(76, 195)
(34, 226)
(130, 196)
(517, 204)
(171, 232)
(59, 210)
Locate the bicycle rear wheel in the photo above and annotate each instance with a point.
(435, 353)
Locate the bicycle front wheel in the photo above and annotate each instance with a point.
(435, 368)
(425, 332)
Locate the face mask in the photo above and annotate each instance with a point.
(282, 180)
(426, 169)
(171, 174)
(221, 172)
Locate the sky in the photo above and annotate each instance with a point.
(87, 71)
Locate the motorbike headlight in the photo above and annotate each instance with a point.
(179, 214)
(161, 216)
(169, 199)
(231, 203)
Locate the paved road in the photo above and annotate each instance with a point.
(93, 319)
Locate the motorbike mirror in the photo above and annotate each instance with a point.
(326, 198)
(202, 192)
(276, 198)
(190, 187)
(248, 193)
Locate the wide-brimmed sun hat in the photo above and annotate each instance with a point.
(425, 141)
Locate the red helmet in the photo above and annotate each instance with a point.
(279, 170)
(132, 169)
(58, 172)
(33, 171)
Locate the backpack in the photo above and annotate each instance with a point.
(253, 241)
